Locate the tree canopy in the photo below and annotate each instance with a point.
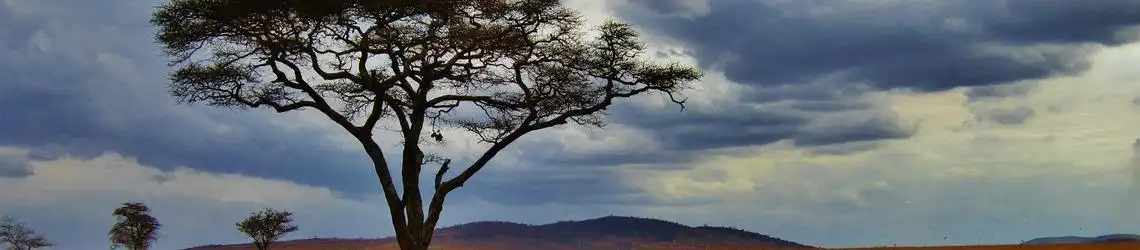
(135, 228)
(267, 226)
(19, 237)
(497, 69)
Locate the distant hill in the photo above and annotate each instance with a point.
(610, 227)
(315, 243)
(1078, 239)
(610, 232)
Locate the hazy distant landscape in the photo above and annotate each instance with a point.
(629, 233)
(611, 232)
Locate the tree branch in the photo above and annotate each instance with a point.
(442, 170)
(380, 164)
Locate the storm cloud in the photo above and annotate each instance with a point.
(14, 166)
(921, 45)
(809, 72)
(807, 66)
(1005, 116)
(65, 93)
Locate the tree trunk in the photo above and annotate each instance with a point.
(413, 245)
(418, 236)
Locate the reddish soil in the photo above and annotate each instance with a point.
(385, 245)
(1089, 246)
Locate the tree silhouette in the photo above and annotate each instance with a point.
(496, 69)
(135, 228)
(266, 226)
(19, 237)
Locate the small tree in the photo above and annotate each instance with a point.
(19, 237)
(136, 229)
(267, 226)
(496, 69)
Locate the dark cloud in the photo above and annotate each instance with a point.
(825, 127)
(84, 96)
(12, 166)
(826, 122)
(728, 127)
(558, 184)
(844, 148)
(1004, 116)
(661, 159)
(999, 91)
(809, 118)
(914, 45)
(1056, 21)
(807, 64)
(664, 7)
(849, 127)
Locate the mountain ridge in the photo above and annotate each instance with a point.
(608, 232)
(1082, 239)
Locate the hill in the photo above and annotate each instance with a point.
(610, 232)
(1078, 239)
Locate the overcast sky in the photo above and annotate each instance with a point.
(826, 122)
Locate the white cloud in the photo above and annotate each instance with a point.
(196, 207)
(575, 140)
(1077, 145)
(69, 200)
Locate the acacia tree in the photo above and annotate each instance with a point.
(266, 226)
(135, 228)
(496, 69)
(19, 237)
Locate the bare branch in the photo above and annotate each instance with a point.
(442, 171)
